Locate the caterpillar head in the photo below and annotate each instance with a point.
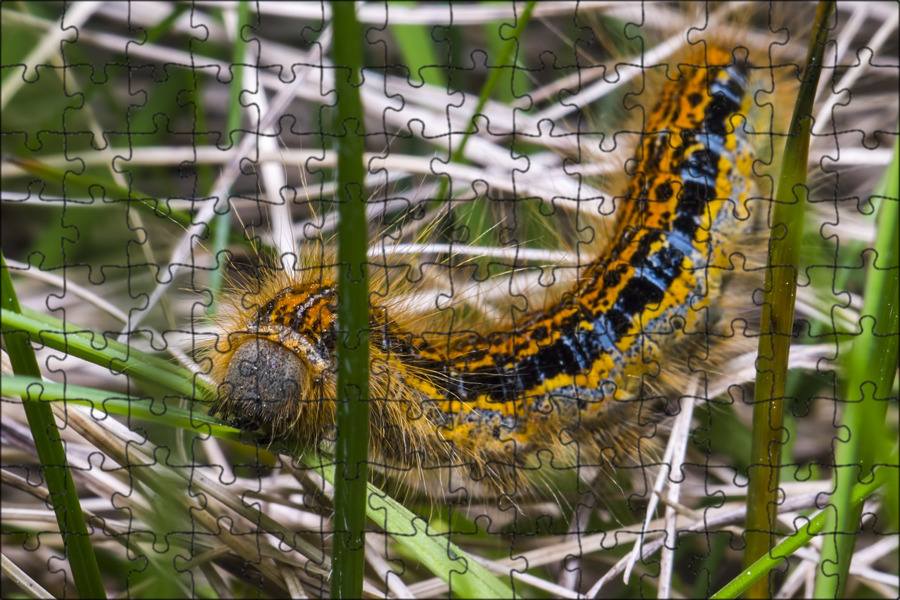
(280, 363)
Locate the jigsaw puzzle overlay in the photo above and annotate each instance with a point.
(568, 207)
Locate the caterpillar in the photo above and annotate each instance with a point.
(572, 378)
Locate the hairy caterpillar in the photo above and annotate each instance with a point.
(571, 379)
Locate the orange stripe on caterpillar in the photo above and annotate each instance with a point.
(569, 378)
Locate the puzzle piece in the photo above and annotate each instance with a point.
(568, 211)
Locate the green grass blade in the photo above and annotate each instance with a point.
(760, 568)
(869, 369)
(469, 578)
(38, 390)
(96, 348)
(165, 26)
(778, 312)
(446, 560)
(417, 48)
(63, 495)
(352, 447)
(512, 83)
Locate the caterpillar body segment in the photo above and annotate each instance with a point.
(560, 385)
